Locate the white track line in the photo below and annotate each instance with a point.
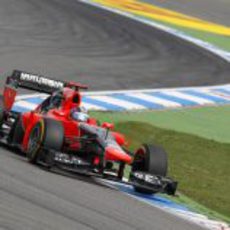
(89, 106)
(25, 104)
(27, 96)
(94, 93)
(118, 102)
(185, 96)
(155, 99)
(211, 93)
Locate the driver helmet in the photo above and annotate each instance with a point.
(80, 114)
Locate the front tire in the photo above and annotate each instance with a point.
(150, 159)
(47, 134)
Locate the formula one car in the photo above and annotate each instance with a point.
(59, 133)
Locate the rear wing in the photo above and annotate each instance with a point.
(20, 79)
(39, 83)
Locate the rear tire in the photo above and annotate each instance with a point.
(151, 159)
(46, 134)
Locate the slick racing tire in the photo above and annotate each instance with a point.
(150, 159)
(47, 134)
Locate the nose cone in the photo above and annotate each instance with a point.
(117, 154)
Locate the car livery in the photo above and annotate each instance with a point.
(60, 134)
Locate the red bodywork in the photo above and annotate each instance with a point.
(59, 133)
(72, 99)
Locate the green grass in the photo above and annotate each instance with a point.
(196, 207)
(200, 165)
(208, 122)
(222, 42)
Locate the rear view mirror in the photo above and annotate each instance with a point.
(107, 125)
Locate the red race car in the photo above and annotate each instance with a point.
(59, 133)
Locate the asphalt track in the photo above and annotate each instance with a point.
(31, 198)
(69, 39)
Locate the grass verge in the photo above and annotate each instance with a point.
(208, 122)
(200, 165)
(196, 207)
